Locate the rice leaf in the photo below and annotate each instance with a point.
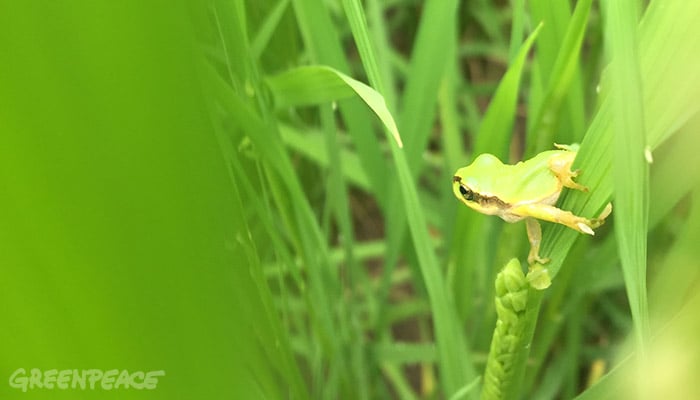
(321, 84)
(630, 168)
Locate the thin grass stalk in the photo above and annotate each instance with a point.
(455, 370)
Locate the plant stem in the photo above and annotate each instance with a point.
(517, 306)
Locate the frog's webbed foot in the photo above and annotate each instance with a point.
(561, 168)
(596, 222)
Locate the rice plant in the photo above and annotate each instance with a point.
(342, 123)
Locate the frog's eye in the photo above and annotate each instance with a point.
(466, 193)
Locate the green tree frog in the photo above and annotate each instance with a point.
(527, 190)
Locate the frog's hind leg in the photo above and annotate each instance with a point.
(559, 216)
(560, 165)
(556, 215)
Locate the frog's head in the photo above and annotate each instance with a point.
(468, 193)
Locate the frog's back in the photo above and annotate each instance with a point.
(532, 181)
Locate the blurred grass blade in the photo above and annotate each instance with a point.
(324, 47)
(495, 130)
(321, 84)
(516, 31)
(309, 143)
(630, 169)
(563, 72)
(609, 386)
(376, 102)
(305, 86)
(681, 274)
(680, 154)
(669, 38)
(384, 51)
(436, 37)
(453, 356)
(557, 18)
(268, 28)
(675, 349)
(337, 195)
(358, 25)
(466, 389)
(284, 185)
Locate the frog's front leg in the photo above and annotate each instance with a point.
(560, 166)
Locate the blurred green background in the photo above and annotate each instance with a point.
(183, 188)
(121, 241)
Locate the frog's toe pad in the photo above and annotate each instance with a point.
(606, 211)
(585, 228)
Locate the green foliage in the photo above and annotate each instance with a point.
(630, 168)
(301, 195)
(277, 175)
(125, 243)
(375, 269)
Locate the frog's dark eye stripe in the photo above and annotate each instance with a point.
(466, 193)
